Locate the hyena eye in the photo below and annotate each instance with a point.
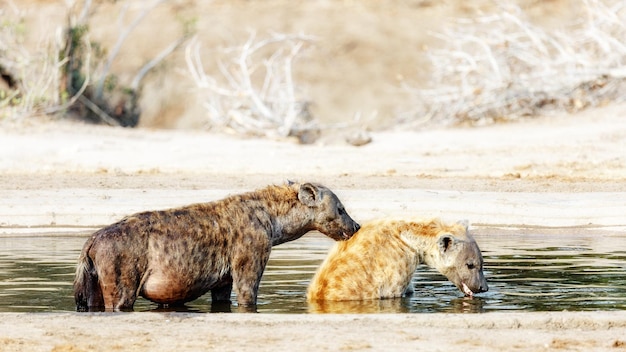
(470, 266)
(341, 211)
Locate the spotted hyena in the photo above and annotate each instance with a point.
(379, 260)
(174, 256)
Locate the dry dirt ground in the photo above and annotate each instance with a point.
(246, 332)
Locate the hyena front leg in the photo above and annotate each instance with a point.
(248, 267)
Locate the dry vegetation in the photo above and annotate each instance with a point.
(30, 79)
(502, 67)
(259, 95)
(484, 67)
(68, 74)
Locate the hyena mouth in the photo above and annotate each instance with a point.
(467, 290)
(346, 235)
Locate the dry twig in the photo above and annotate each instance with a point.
(120, 42)
(501, 67)
(255, 93)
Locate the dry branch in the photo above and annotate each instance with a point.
(254, 93)
(502, 67)
(110, 103)
(120, 42)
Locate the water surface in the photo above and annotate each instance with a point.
(526, 272)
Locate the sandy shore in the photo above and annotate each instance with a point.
(563, 174)
(554, 172)
(246, 332)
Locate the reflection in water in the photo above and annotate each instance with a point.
(395, 305)
(527, 272)
(467, 305)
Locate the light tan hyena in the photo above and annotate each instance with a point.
(379, 260)
(174, 256)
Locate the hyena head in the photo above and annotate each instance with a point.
(460, 260)
(326, 211)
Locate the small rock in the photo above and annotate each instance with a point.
(359, 138)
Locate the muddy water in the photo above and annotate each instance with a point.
(526, 272)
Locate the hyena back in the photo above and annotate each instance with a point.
(380, 259)
(175, 256)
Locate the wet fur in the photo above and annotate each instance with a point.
(176, 255)
(380, 259)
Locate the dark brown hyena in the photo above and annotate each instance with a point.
(174, 256)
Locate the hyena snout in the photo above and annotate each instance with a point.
(339, 229)
(472, 280)
(351, 227)
(469, 283)
(479, 284)
(483, 285)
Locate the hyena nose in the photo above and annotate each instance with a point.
(356, 227)
(483, 287)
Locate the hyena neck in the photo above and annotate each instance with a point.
(424, 246)
(291, 226)
(290, 219)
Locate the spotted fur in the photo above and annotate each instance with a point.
(174, 256)
(380, 259)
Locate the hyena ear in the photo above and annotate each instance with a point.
(445, 243)
(309, 194)
(464, 223)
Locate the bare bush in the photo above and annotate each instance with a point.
(30, 77)
(502, 67)
(254, 92)
(70, 74)
(96, 93)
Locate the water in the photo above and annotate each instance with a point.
(525, 271)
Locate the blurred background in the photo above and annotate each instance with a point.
(307, 69)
